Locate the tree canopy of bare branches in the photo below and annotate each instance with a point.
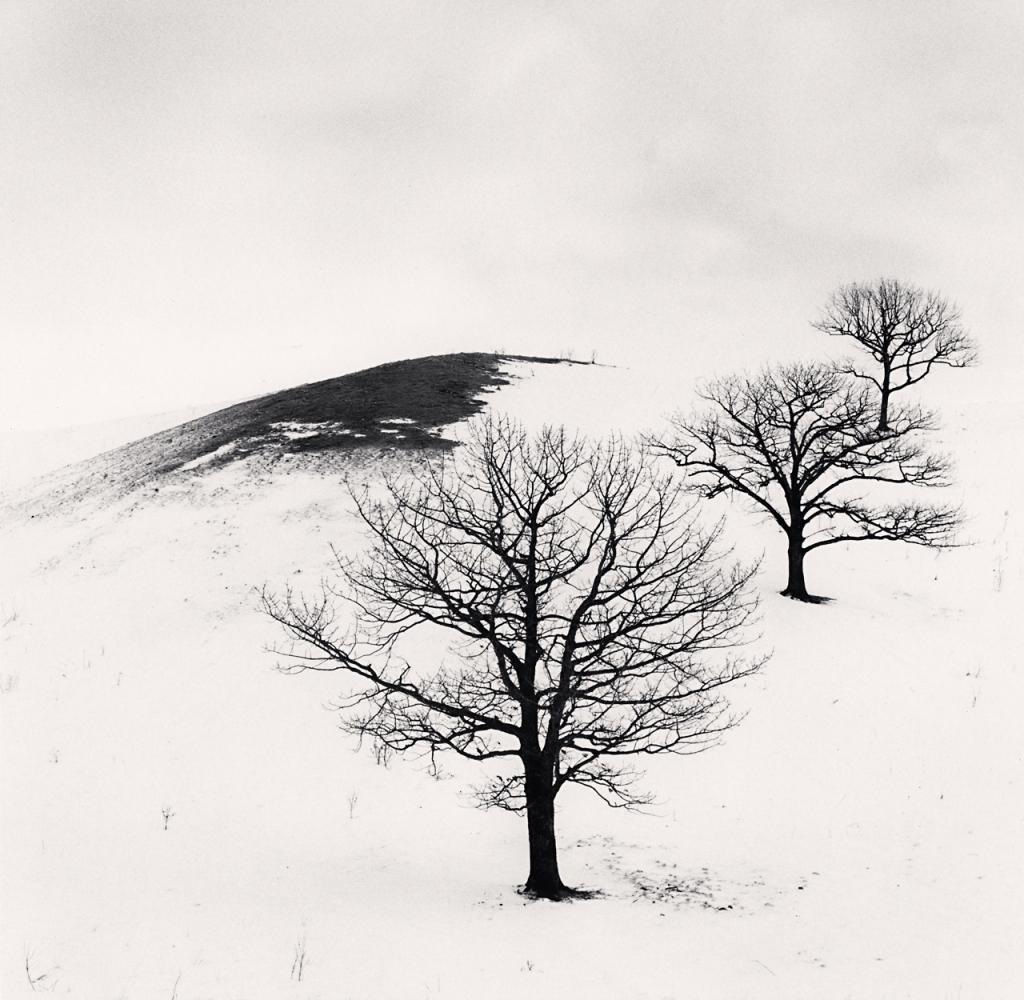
(594, 622)
(907, 331)
(801, 444)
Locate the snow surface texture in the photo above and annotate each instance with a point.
(180, 820)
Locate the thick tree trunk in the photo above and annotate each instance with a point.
(796, 586)
(883, 411)
(544, 880)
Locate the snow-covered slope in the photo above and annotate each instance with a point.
(180, 820)
(28, 454)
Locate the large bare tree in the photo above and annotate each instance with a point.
(595, 622)
(800, 442)
(907, 331)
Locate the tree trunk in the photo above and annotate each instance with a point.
(796, 587)
(544, 880)
(883, 411)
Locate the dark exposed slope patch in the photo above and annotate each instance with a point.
(351, 410)
(343, 414)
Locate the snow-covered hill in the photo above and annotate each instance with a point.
(399, 406)
(180, 820)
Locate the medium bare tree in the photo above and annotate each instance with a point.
(800, 442)
(906, 330)
(595, 622)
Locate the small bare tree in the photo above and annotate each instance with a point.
(907, 331)
(800, 443)
(594, 622)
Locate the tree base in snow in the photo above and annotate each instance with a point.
(560, 894)
(805, 597)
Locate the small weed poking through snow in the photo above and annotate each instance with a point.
(40, 981)
(299, 959)
(353, 801)
(167, 812)
(1002, 555)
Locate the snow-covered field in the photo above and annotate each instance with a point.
(181, 821)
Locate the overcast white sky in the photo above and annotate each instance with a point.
(204, 200)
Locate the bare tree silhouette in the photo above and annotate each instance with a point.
(907, 331)
(595, 622)
(800, 442)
